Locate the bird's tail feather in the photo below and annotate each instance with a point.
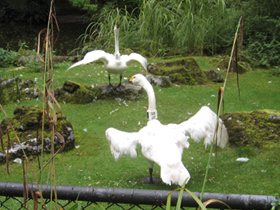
(175, 174)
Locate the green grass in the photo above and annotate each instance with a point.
(93, 165)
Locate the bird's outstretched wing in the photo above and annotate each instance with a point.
(202, 126)
(122, 143)
(135, 57)
(94, 56)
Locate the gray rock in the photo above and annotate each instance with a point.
(10, 82)
(129, 92)
(162, 81)
(29, 120)
(214, 76)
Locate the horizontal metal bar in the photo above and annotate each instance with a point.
(137, 196)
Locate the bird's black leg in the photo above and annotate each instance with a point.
(120, 86)
(110, 86)
(150, 179)
(151, 175)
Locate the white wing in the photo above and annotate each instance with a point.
(135, 57)
(179, 136)
(122, 143)
(94, 56)
(202, 126)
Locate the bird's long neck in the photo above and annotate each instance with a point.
(117, 52)
(151, 112)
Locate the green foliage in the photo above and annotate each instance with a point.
(2, 54)
(261, 31)
(104, 39)
(12, 57)
(85, 5)
(32, 62)
(275, 71)
(24, 57)
(276, 204)
(98, 6)
(263, 51)
(163, 28)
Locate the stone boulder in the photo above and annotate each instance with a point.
(214, 76)
(15, 89)
(78, 93)
(73, 92)
(184, 71)
(258, 128)
(130, 92)
(162, 81)
(28, 126)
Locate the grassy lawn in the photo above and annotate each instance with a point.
(93, 165)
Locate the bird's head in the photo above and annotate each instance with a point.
(116, 28)
(137, 79)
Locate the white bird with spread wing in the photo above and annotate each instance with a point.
(113, 63)
(164, 144)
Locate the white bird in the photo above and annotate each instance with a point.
(164, 144)
(113, 63)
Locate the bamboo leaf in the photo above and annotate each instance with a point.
(179, 201)
(168, 202)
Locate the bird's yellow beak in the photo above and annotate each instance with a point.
(130, 80)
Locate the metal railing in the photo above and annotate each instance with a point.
(119, 198)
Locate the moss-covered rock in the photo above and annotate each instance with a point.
(221, 62)
(129, 92)
(257, 128)
(184, 71)
(27, 124)
(15, 89)
(78, 93)
(73, 92)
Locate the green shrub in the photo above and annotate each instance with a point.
(12, 57)
(2, 54)
(264, 51)
(32, 62)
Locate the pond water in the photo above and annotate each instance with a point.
(71, 27)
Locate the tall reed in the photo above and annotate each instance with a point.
(161, 28)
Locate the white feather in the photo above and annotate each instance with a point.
(242, 159)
